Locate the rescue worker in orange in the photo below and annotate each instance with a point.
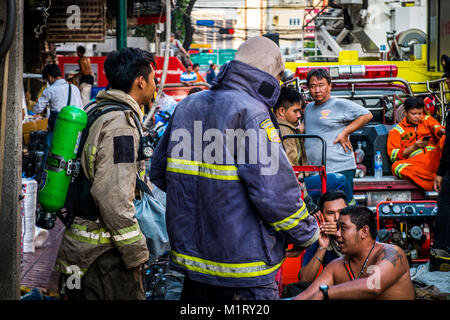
(415, 145)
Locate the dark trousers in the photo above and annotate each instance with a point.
(442, 232)
(349, 174)
(108, 279)
(198, 291)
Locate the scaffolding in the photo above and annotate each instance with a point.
(313, 9)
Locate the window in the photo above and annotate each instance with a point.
(275, 21)
(294, 21)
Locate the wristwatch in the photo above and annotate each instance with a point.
(324, 289)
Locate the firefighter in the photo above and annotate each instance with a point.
(230, 207)
(415, 145)
(109, 250)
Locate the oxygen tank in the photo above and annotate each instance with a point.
(60, 163)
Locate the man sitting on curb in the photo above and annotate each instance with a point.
(367, 269)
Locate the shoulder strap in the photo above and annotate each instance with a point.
(70, 95)
(95, 113)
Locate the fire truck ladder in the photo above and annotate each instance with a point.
(331, 29)
(313, 10)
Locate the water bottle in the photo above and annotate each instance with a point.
(378, 165)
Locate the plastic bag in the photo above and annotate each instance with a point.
(151, 215)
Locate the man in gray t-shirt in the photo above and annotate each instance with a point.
(334, 120)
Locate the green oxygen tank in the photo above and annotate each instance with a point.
(60, 163)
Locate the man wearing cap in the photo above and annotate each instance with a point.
(224, 169)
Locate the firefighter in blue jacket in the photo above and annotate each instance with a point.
(233, 201)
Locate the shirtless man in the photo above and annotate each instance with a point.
(367, 269)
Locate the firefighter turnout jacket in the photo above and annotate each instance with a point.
(229, 215)
(109, 161)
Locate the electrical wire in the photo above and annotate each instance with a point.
(45, 15)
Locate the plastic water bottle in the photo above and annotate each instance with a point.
(378, 165)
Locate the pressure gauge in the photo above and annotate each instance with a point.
(385, 209)
(396, 209)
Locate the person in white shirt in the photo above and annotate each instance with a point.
(58, 94)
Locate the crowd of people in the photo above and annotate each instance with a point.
(229, 221)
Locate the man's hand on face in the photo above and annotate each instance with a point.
(324, 240)
(319, 217)
(328, 228)
(343, 139)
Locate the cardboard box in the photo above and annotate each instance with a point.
(36, 125)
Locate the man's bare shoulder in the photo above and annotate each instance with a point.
(335, 264)
(393, 254)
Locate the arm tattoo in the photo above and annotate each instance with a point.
(391, 254)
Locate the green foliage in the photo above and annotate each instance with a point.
(146, 30)
(177, 19)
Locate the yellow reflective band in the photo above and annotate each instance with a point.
(91, 151)
(415, 153)
(291, 221)
(399, 129)
(207, 170)
(127, 235)
(399, 169)
(229, 270)
(394, 154)
(80, 233)
(64, 267)
(426, 117)
(430, 148)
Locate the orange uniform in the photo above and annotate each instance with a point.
(420, 165)
(199, 77)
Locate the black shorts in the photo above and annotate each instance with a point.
(89, 79)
